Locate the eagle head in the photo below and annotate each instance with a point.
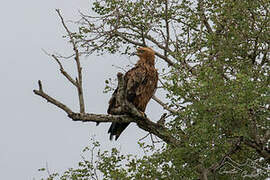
(146, 54)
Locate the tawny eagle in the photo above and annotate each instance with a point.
(141, 83)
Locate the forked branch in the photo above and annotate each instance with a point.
(134, 115)
(62, 70)
(50, 99)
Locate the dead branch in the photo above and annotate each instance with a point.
(78, 65)
(100, 118)
(142, 121)
(84, 117)
(134, 115)
(62, 70)
(57, 103)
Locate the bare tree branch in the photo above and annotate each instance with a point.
(57, 103)
(84, 117)
(62, 70)
(163, 105)
(79, 68)
(144, 137)
(134, 115)
(100, 118)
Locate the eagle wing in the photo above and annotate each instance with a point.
(133, 79)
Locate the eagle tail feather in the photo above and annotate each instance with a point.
(116, 129)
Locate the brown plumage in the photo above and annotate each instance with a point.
(141, 83)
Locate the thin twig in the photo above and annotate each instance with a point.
(62, 70)
(163, 105)
(144, 137)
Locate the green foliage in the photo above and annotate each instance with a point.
(218, 84)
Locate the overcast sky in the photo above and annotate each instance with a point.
(32, 131)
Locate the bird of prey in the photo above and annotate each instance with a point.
(141, 83)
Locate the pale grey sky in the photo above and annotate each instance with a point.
(32, 131)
